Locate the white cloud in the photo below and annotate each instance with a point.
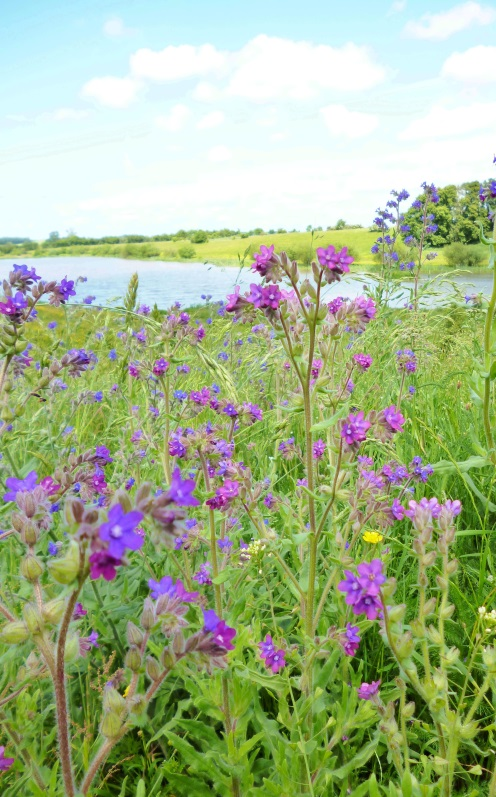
(396, 7)
(343, 123)
(440, 122)
(112, 92)
(477, 65)
(205, 92)
(278, 136)
(268, 67)
(115, 27)
(63, 114)
(213, 119)
(175, 120)
(219, 154)
(177, 63)
(443, 25)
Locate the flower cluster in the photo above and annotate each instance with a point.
(363, 590)
(273, 658)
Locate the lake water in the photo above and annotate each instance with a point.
(166, 283)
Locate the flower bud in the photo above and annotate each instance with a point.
(489, 658)
(434, 635)
(65, 568)
(178, 644)
(442, 545)
(133, 659)
(31, 567)
(124, 500)
(32, 618)
(468, 730)
(396, 613)
(113, 700)
(429, 558)
(14, 633)
(408, 710)
(29, 533)
(153, 668)
(404, 646)
(73, 511)
(134, 635)
(442, 582)
(452, 656)
(71, 648)
(417, 628)
(447, 611)
(452, 567)
(137, 704)
(111, 725)
(148, 619)
(53, 610)
(168, 659)
(389, 587)
(429, 607)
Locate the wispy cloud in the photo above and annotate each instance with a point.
(476, 66)
(438, 27)
(175, 119)
(442, 122)
(115, 27)
(343, 123)
(396, 7)
(112, 92)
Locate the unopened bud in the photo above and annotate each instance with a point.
(31, 567)
(29, 533)
(396, 613)
(124, 500)
(434, 635)
(65, 568)
(14, 633)
(148, 619)
(111, 725)
(29, 505)
(133, 659)
(168, 659)
(417, 628)
(452, 566)
(489, 658)
(72, 648)
(389, 587)
(429, 558)
(153, 668)
(32, 617)
(447, 611)
(53, 610)
(429, 607)
(404, 646)
(452, 655)
(73, 511)
(134, 635)
(178, 644)
(408, 710)
(442, 582)
(442, 544)
(113, 700)
(137, 704)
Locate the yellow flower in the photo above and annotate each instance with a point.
(373, 537)
(126, 691)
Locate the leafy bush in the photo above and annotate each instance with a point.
(186, 252)
(458, 255)
(199, 237)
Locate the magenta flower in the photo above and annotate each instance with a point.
(350, 640)
(334, 260)
(49, 486)
(86, 643)
(394, 418)
(319, 448)
(79, 611)
(352, 587)
(160, 366)
(181, 491)
(397, 510)
(103, 564)
(222, 634)
(5, 763)
(354, 429)
(370, 576)
(12, 307)
(119, 531)
(263, 259)
(20, 485)
(274, 659)
(363, 360)
(421, 513)
(166, 586)
(368, 691)
(133, 370)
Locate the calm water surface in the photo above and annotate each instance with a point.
(166, 283)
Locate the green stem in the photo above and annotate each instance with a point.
(488, 357)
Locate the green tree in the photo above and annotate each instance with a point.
(470, 215)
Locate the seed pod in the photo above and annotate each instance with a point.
(14, 633)
(133, 659)
(53, 610)
(429, 607)
(153, 668)
(134, 635)
(148, 619)
(33, 618)
(137, 704)
(447, 611)
(111, 725)
(65, 569)
(31, 567)
(408, 710)
(113, 700)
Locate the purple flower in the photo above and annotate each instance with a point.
(370, 576)
(363, 360)
(397, 510)
(351, 586)
(230, 410)
(368, 691)
(166, 586)
(5, 763)
(86, 643)
(103, 564)
(354, 429)
(274, 659)
(394, 418)
(181, 491)
(262, 259)
(221, 632)
(203, 574)
(88, 299)
(12, 307)
(79, 611)
(319, 448)
(160, 366)
(333, 260)
(119, 531)
(20, 485)
(225, 544)
(133, 370)
(103, 453)
(350, 640)
(269, 296)
(66, 289)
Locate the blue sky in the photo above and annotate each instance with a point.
(147, 116)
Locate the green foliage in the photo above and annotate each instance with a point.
(187, 252)
(458, 255)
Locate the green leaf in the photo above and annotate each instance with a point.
(373, 787)
(445, 467)
(122, 792)
(359, 759)
(140, 789)
(223, 576)
(318, 427)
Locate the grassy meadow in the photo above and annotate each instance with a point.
(175, 579)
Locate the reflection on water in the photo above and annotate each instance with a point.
(166, 283)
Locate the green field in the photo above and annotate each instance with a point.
(229, 251)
